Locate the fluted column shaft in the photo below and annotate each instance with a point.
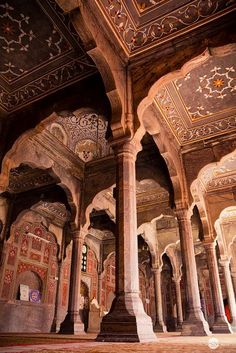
(195, 324)
(160, 325)
(220, 323)
(230, 292)
(127, 320)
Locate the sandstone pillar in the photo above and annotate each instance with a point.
(221, 324)
(56, 324)
(159, 325)
(230, 292)
(4, 206)
(177, 280)
(233, 266)
(59, 231)
(194, 324)
(233, 275)
(126, 320)
(99, 287)
(72, 323)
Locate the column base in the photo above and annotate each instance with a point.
(72, 325)
(55, 327)
(126, 321)
(159, 327)
(221, 326)
(195, 325)
(233, 326)
(179, 327)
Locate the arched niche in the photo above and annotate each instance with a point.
(226, 231)
(31, 266)
(33, 149)
(30, 279)
(214, 190)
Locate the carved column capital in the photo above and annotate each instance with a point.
(157, 269)
(224, 262)
(78, 234)
(176, 278)
(182, 212)
(209, 245)
(126, 147)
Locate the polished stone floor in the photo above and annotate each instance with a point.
(167, 343)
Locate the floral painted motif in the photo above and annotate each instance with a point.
(135, 37)
(12, 256)
(32, 267)
(219, 83)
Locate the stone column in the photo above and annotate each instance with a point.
(221, 324)
(99, 287)
(177, 280)
(56, 324)
(4, 206)
(159, 325)
(230, 292)
(194, 324)
(127, 320)
(233, 275)
(72, 323)
(233, 266)
(56, 320)
(100, 270)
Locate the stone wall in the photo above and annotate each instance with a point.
(18, 316)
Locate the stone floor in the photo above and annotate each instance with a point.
(167, 343)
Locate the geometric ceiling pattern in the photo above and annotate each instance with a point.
(40, 52)
(202, 103)
(141, 24)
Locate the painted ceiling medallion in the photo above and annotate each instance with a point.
(218, 83)
(201, 103)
